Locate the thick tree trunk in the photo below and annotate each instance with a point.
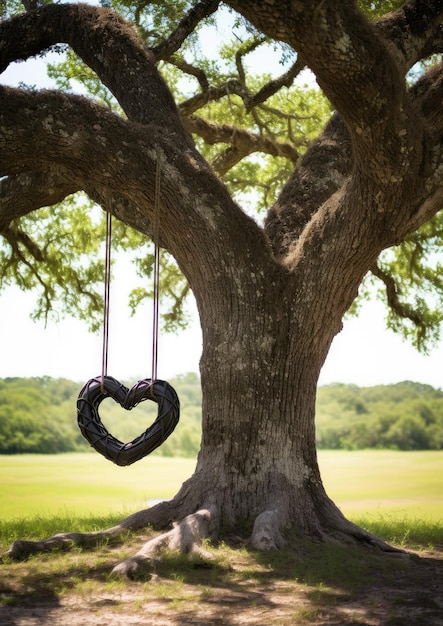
(257, 471)
(258, 450)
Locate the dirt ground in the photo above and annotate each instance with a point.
(76, 590)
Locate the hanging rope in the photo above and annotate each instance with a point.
(107, 291)
(97, 389)
(156, 269)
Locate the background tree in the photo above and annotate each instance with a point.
(403, 416)
(271, 298)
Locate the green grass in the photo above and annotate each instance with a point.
(404, 531)
(363, 483)
(38, 527)
(385, 482)
(84, 484)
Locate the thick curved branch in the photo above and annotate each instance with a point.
(415, 30)
(355, 68)
(55, 129)
(22, 193)
(321, 172)
(329, 35)
(108, 45)
(118, 159)
(329, 161)
(427, 94)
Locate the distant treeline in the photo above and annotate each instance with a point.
(404, 416)
(38, 415)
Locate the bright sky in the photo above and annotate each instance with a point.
(364, 353)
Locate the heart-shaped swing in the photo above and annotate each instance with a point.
(97, 389)
(104, 386)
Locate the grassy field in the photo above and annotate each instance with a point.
(84, 483)
(397, 496)
(362, 483)
(385, 482)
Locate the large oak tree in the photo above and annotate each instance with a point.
(270, 298)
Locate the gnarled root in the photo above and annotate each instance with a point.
(160, 515)
(186, 536)
(266, 533)
(21, 550)
(269, 527)
(325, 524)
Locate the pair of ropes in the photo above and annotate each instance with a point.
(104, 386)
(156, 282)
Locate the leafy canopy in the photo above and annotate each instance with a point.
(253, 110)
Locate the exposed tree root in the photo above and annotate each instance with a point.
(267, 531)
(355, 534)
(159, 515)
(21, 550)
(187, 535)
(336, 527)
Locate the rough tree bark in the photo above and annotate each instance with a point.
(270, 299)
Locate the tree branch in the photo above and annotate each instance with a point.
(22, 193)
(191, 70)
(321, 172)
(242, 142)
(30, 5)
(16, 238)
(96, 34)
(273, 86)
(212, 94)
(354, 67)
(328, 162)
(400, 309)
(415, 30)
(186, 26)
(62, 131)
(233, 86)
(56, 128)
(244, 50)
(427, 94)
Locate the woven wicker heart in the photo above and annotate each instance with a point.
(97, 389)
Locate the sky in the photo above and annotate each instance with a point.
(364, 352)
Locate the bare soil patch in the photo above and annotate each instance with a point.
(330, 585)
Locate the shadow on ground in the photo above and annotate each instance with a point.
(319, 584)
